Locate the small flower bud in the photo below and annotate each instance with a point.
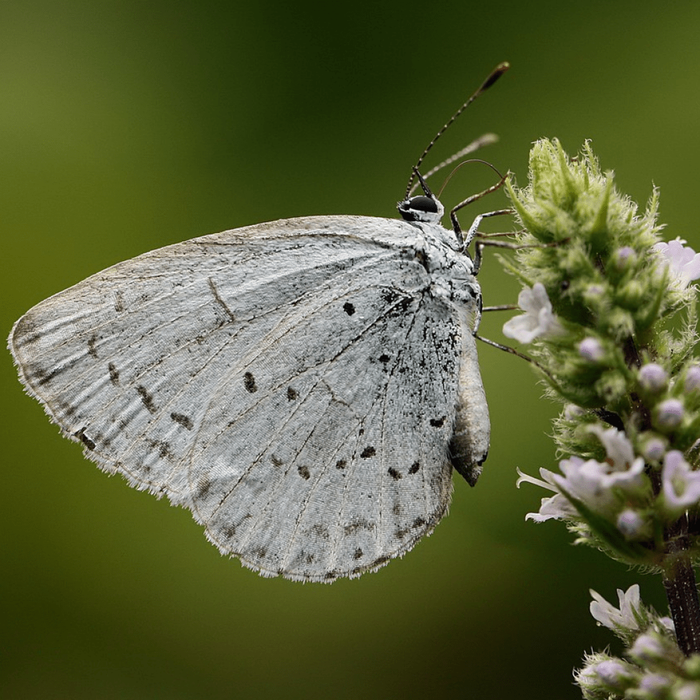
(691, 666)
(591, 349)
(624, 256)
(669, 414)
(653, 377)
(687, 691)
(631, 524)
(653, 448)
(692, 379)
(572, 411)
(647, 648)
(594, 293)
(615, 675)
(654, 685)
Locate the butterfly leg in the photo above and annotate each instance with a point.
(472, 229)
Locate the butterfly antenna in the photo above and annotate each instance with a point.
(475, 145)
(497, 72)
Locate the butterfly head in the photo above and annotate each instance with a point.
(421, 208)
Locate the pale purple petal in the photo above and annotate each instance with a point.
(681, 485)
(617, 447)
(623, 617)
(682, 261)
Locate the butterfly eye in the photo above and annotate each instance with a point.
(423, 203)
(419, 208)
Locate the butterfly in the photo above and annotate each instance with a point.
(304, 386)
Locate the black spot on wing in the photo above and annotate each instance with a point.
(291, 394)
(80, 434)
(163, 449)
(113, 374)
(348, 308)
(41, 375)
(341, 464)
(92, 345)
(394, 474)
(437, 422)
(203, 488)
(321, 531)
(249, 383)
(368, 452)
(304, 472)
(146, 398)
(358, 524)
(183, 420)
(414, 468)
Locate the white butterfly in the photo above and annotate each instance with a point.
(303, 386)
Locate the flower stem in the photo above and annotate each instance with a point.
(681, 589)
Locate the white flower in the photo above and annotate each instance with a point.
(617, 446)
(680, 484)
(682, 261)
(538, 319)
(587, 482)
(594, 483)
(556, 506)
(626, 617)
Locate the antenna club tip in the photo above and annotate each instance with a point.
(496, 73)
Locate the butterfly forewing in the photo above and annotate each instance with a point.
(294, 384)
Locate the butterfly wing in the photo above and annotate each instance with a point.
(295, 387)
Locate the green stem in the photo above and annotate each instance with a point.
(682, 590)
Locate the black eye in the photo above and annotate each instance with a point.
(423, 203)
(413, 209)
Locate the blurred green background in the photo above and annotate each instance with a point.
(128, 125)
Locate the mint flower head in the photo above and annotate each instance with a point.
(610, 325)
